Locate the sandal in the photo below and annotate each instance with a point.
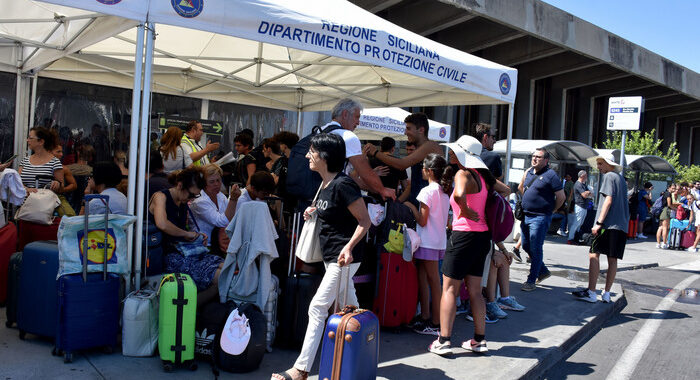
(286, 376)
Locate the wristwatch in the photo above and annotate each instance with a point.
(375, 153)
(597, 223)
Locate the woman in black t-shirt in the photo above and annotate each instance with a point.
(344, 221)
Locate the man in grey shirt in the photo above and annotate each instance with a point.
(610, 230)
(581, 195)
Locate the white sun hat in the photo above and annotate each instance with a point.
(467, 149)
(593, 162)
(236, 334)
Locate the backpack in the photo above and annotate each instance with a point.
(657, 206)
(499, 217)
(634, 203)
(398, 216)
(301, 181)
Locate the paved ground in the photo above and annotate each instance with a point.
(523, 345)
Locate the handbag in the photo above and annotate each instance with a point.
(519, 213)
(309, 245)
(38, 207)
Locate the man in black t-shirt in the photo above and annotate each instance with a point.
(581, 202)
(246, 164)
(395, 176)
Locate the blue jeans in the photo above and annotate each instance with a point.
(578, 221)
(563, 218)
(534, 230)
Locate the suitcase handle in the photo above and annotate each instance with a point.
(105, 200)
(346, 271)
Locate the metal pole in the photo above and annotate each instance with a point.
(32, 112)
(20, 135)
(133, 151)
(622, 152)
(506, 173)
(144, 128)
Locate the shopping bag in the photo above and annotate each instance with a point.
(71, 233)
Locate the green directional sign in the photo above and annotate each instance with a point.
(211, 127)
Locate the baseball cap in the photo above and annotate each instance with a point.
(236, 333)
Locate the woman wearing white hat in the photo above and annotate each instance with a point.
(469, 244)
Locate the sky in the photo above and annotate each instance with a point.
(670, 28)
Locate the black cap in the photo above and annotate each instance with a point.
(246, 131)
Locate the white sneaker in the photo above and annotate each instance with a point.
(664, 246)
(560, 233)
(586, 295)
(606, 297)
(658, 245)
(440, 349)
(691, 249)
(641, 236)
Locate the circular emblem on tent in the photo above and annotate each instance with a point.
(188, 8)
(504, 84)
(109, 2)
(443, 132)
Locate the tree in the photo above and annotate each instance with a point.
(645, 144)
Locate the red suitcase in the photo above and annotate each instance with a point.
(687, 239)
(397, 294)
(8, 246)
(30, 232)
(632, 229)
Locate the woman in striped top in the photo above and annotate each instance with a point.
(41, 162)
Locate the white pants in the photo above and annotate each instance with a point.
(318, 310)
(578, 222)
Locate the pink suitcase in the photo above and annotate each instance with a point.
(687, 239)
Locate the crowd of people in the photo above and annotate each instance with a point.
(681, 202)
(193, 199)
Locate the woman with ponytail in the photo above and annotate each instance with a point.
(431, 220)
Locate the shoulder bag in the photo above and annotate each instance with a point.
(38, 207)
(519, 213)
(309, 246)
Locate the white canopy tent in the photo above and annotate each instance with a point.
(298, 55)
(376, 123)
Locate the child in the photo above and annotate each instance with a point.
(432, 220)
(694, 221)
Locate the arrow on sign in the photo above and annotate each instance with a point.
(218, 128)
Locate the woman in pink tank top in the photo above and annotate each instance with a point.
(468, 245)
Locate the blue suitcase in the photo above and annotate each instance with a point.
(88, 305)
(36, 301)
(350, 345)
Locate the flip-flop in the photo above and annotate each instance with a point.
(284, 374)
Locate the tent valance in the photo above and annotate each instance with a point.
(642, 163)
(294, 55)
(376, 123)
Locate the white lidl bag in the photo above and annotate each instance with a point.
(140, 323)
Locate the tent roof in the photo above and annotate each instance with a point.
(642, 163)
(376, 123)
(216, 54)
(560, 150)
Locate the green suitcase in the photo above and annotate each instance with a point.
(176, 325)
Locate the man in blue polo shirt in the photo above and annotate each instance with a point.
(542, 194)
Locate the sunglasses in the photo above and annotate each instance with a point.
(191, 195)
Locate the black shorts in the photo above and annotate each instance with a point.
(610, 243)
(465, 254)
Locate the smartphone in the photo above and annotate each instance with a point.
(10, 159)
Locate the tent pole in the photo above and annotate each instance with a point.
(144, 128)
(300, 105)
(133, 154)
(19, 127)
(506, 173)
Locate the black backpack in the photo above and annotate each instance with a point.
(301, 181)
(634, 204)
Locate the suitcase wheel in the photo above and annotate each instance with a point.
(167, 366)
(22, 334)
(67, 357)
(192, 365)
(55, 352)
(8, 324)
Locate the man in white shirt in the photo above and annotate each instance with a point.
(347, 115)
(190, 144)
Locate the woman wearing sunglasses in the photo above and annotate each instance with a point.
(169, 211)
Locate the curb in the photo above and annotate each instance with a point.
(575, 341)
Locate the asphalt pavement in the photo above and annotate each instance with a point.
(524, 345)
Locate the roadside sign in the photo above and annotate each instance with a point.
(210, 127)
(624, 113)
